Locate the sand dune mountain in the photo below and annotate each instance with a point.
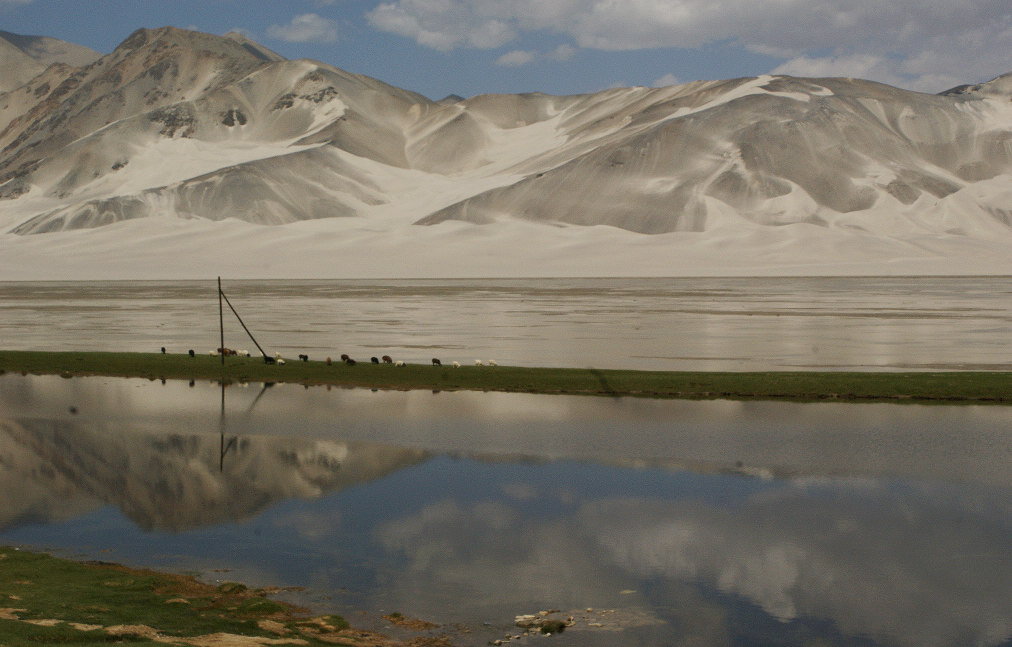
(25, 57)
(770, 150)
(181, 126)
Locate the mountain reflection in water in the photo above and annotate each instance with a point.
(695, 522)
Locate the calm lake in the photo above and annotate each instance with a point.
(664, 324)
(715, 522)
(650, 522)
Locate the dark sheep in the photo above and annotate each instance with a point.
(303, 357)
(436, 362)
(163, 350)
(350, 362)
(375, 360)
(344, 358)
(192, 354)
(387, 359)
(328, 361)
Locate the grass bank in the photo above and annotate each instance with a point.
(45, 600)
(948, 386)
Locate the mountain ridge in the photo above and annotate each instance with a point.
(24, 57)
(183, 126)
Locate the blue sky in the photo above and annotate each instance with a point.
(468, 47)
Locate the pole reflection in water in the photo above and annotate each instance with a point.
(232, 443)
(710, 522)
(221, 429)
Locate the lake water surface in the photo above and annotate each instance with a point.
(673, 522)
(665, 324)
(651, 522)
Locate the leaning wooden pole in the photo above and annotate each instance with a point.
(241, 322)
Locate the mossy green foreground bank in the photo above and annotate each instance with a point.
(47, 601)
(918, 386)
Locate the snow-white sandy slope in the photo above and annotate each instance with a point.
(183, 155)
(162, 248)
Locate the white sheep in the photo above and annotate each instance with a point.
(281, 362)
(243, 353)
(212, 353)
(456, 365)
(398, 363)
(492, 362)
(478, 362)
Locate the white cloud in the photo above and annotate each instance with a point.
(242, 31)
(862, 66)
(491, 34)
(446, 24)
(914, 43)
(519, 57)
(930, 62)
(563, 52)
(305, 28)
(516, 58)
(666, 80)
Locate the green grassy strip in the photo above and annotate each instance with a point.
(951, 386)
(45, 600)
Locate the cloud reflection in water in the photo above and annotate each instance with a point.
(885, 523)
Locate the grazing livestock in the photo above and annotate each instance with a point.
(350, 362)
(387, 359)
(281, 362)
(399, 363)
(304, 357)
(344, 358)
(269, 360)
(375, 360)
(243, 353)
(492, 362)
(212, 353)
(192, 354)
(436, 362)
(456, 365)
(478, 362)
(328, 361)
(163, 350)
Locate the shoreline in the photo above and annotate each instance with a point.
(947, 387)
(53, 599)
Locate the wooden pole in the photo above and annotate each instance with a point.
(242, 323)
(221, 350)
(221, 295)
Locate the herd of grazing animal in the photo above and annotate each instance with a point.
(345, 358)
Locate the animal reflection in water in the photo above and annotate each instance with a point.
(232, 444)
